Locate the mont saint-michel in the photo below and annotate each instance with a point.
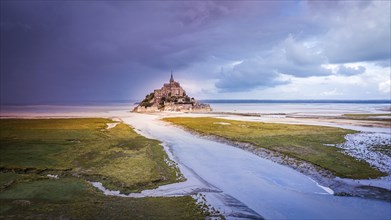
(171, 97)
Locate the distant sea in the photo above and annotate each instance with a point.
(302, 107)
(297, 107)
(296, 101)
(209, 101)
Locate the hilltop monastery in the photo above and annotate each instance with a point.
(171, 97)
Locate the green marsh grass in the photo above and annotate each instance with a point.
(81, 150)
(118, 157)
(74, 198)
(304, 142)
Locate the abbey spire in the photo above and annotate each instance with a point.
(171, 78)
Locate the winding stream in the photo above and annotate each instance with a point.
(239, 184)
(243, 185)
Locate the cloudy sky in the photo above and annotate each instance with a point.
(72, 51)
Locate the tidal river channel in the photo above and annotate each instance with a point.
(243, 185)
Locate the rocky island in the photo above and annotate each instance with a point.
(171, 97)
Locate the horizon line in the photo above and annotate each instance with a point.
(131, 101)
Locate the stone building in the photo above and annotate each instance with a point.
(171, 97)
(169, 89)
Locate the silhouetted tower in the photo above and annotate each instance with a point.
(171, 78)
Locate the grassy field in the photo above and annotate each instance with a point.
(36, 197)
(81, 150)
(304, 142)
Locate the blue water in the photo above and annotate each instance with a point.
(297, 101)
(331, 109)
(271, 190)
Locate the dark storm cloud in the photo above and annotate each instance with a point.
(106, 50)
(97, 50)
(85, 50)
(330, 32)
(357, 31)
(248, 75)
(290, 57)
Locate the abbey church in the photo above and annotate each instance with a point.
(171, 97)
(170, 89)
